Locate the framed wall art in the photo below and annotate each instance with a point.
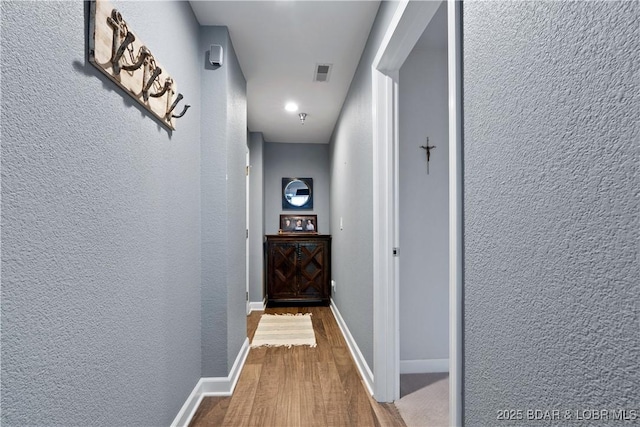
(298, 224)
(297, 193)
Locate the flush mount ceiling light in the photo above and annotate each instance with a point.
(291, 106)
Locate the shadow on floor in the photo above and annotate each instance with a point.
(413, 382)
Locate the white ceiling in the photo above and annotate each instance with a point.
(278, 44)
(435, 35)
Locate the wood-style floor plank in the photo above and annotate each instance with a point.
(211, 412)
(263, 409)
(333, 395)
(245, 392)
(299, 386)
(357, 401)
(312, 408)
(289, 393)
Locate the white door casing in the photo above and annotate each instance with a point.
(407, 25)
(247, 183)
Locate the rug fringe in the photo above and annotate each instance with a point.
(289, 314)
(283, 345)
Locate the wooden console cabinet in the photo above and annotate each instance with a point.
(298, 269)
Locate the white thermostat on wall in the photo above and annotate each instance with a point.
(215, 55)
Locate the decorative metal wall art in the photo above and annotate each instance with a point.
(121, 56)
(428, 149)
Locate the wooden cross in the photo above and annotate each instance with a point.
(428, 148)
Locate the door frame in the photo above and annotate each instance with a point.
(405, 28)
(248, 222)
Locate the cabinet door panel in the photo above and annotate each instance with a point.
(312, 270)
(282, 270)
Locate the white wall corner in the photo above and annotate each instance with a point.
(361, 363)
(212, 386)
(425, 366)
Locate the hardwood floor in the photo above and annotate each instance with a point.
(299, 386)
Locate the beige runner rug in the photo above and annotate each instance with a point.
(276, 330)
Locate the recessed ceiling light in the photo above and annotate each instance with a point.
(291, 106)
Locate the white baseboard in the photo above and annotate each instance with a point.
(212, 386)
(424, 366)
(256, 306)
(361, 363)
(189, 408)
(224, 386)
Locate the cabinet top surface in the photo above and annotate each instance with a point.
(303, 236)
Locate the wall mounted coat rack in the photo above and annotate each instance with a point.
(121, 56)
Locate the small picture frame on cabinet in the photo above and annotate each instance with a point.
(296, 224)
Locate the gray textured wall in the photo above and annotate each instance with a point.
(424, 201)
(237, 149)
(551, 202)
(351, 168)
(256, 220)
(100, 225)
(295, 160)
(223, 192)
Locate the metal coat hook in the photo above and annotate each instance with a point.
(120, 40)
(115, 61)
(149, 64)
(173, 106)
(145, 91)
(168, 83)
(184, 110)
(143, 53)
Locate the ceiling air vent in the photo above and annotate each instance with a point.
(322, 73)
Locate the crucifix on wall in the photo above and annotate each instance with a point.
(428, 148)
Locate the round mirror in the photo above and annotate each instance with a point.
(297, 193)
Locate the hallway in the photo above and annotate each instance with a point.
(123, 270)
(295, 386)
